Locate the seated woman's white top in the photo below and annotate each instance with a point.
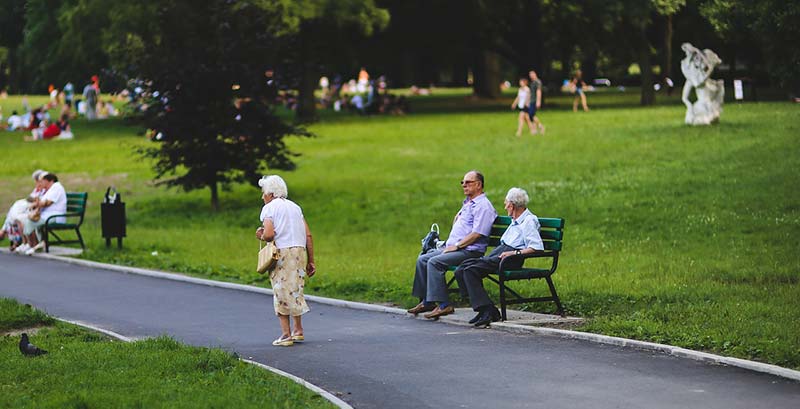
(287, 218)
(58, 196)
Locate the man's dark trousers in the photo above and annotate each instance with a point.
(471, 272)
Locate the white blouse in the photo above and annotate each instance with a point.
(287, 217)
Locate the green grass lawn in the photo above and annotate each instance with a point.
(84, 369)
(674, 234)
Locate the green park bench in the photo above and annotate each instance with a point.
(76, 207)
(552, 232)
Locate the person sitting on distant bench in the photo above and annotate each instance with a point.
(13, 225)
(521, 237)
(53, 202)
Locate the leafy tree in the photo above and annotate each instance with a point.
(12, 26)
(201, 62)
(774, 26)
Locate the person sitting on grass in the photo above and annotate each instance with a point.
(15, 122)
(521, 237)
(65, 130)
(468, 239)
(37, 133)
(53, 202)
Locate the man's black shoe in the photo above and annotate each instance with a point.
(487, 317)
(476, 318)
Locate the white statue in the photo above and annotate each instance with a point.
(697, 67)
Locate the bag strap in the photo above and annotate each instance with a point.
(436, 226)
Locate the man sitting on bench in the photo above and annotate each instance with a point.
(521, 237)
(468, 239)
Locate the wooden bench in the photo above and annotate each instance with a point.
(76, 207)
(552, 232)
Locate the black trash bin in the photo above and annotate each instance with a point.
(112, 216)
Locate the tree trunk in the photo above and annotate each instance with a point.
(214, 196)
(487, 75)
(306, 104)
(648, 94)
(13, 72)
(460, 74)
(589, 66)
(406, 75)
(668, 51)
(535, 39)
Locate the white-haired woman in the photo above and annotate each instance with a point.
(19, 213)
(282, 222)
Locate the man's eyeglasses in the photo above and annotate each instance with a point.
(467, 182)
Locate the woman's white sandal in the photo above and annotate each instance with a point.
(283, 342)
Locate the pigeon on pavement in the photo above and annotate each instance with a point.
(29, 349)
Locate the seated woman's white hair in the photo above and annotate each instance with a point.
(517, 197)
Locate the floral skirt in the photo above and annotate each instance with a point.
(288, 280)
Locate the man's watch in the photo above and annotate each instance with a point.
(517, 252)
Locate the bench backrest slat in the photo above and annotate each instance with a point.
(551, 231)
(76, 202)
(499, 227)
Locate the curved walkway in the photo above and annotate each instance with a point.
(376, 360)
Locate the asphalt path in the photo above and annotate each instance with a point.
(380, 360)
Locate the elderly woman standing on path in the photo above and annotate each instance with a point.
(284, 224)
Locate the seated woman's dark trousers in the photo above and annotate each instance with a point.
(471, 272)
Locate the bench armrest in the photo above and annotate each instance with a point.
(73, 214)
(538, 254)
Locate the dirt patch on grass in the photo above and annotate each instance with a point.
(83, 182)
(18, 332)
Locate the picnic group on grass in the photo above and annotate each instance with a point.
(283, 223)
(26, 218)
(37, 120)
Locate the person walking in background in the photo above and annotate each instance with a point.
(69, 94)
(468, 239)
(521, 104)
(283, 223)
(521, 237)
(536, 101)
(578, 85)
(90, 101)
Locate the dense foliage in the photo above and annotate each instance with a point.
(202, 67)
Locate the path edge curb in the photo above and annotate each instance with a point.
(504, 326)
(306, 384)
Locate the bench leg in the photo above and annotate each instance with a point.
(502, 284)
(46, 240)
(555, 296)
(80, 238)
